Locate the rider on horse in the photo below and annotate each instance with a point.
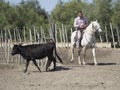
(80, 24)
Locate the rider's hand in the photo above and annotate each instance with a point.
(81, 26)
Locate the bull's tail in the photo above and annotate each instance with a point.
(51, 40)
(58, 55)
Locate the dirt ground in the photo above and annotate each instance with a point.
(68, 76)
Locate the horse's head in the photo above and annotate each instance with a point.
(96, 26)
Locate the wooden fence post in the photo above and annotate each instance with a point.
(34, 34)
(14, 35)
(106, 35)
(118, 36)
(44, 38)
(56, 32)
(1, 38)
(19, 37)
(5, 47)
(100, 38)
(61, 40)
(63, 34)
(66, 36)
(112, 34)
(30, 36)
(24, 35)
(10, 34)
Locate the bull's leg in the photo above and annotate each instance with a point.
(54, 62)
(35, 63)
(27, 63)
(94, 56)
(84, 55)
(48, 63)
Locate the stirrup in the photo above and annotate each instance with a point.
(76, 38)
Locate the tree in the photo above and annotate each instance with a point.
(66, 12)
(116, 13)
(102, 11)
(26, 14)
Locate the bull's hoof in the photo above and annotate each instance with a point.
(72, 60)
(52, 70)
(25, 71)
(47, 70)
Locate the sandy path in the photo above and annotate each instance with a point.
(105, 76)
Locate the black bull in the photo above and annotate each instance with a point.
(37, 51)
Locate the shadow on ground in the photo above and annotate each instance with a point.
(102, 64)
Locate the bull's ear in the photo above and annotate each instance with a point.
(20, 44)
(15, 44)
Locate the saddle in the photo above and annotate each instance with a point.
(76, 38)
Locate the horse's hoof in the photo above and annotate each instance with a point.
(96, 64)
(72, 61)
(79, 63)
(84, 63)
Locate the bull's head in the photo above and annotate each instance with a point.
(16, 49)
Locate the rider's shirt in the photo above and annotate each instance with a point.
(79, 22)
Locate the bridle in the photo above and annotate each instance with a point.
(95, 28)
(92, 41)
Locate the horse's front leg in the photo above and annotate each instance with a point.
(84, 55)
(94, 55)
(72, 50)
(79, 52)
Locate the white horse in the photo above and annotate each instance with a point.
(88, 41)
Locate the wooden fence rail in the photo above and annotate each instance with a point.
(38, 35)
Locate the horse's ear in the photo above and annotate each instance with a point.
(91, 21)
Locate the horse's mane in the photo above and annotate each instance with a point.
(89, 26)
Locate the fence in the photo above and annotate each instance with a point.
(38, 35)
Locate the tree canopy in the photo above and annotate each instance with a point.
(28, 13)
(25, 14)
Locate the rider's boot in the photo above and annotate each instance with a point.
(80, 42)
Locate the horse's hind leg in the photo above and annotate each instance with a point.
(79, 52)
(94, 55)
(84, 55)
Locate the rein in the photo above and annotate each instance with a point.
(91, 41)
